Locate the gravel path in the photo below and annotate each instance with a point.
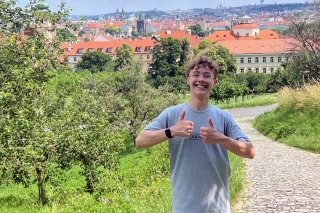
(280, 178)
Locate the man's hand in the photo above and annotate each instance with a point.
(183, 128)
(210, 134)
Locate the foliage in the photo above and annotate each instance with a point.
(296, 106)
(168, 61)
(220, 54)
(65, 35)
(136, 94)
(25, 137)
(87, 131)
(124, 57)
(255, 82)
(94, 61)
(197, 30)
(304, 56)
(112, 30)
(227, 88)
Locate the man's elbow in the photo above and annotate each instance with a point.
(251, 153)
(139, 142)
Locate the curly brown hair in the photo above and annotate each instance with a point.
(203, 61)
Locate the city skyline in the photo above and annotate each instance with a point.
(97, 7)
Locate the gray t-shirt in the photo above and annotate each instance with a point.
(199, 171)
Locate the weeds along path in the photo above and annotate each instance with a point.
(280, 178)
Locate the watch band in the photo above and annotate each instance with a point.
(168, 133)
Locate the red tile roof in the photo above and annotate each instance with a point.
(141, 44)
(179, 34)
(226, 35)
(258, 46)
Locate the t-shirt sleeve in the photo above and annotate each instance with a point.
(234, 131)
(161, 122)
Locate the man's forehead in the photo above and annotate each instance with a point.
(202, 69)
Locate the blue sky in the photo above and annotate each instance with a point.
(96, 7)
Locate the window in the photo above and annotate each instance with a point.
(109, 50)
(247, 34)
(74, 58)
(264, 59)
(241, 60)
(279, 59)
(256, 59)
(271, 70)
(148, 56)
(138, 49)
(148, 48)
(257, 70)
(242, 70)
(90, 50)
(80, 51)
(264, 70)
(249, 60)
(271, 59)
(99, 49)
(249, 69)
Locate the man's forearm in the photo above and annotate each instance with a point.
(241, 148)
(149, 138)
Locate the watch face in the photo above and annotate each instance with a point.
(168, 133)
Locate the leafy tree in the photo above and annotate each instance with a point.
(168, 63)
(94, 61)
(305, 49)
(197, 30)
(88, 132)
(25, 61)
(220, 54)
(137, 95)
(124, 56)
(112, 30)
(65, 35)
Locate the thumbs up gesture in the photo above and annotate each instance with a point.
(210, 134)
(183, 127)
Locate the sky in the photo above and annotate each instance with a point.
(97, 7)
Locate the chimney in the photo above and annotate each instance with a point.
(168, 32)
(189, 31)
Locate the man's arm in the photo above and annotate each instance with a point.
(148, 138)
(210, 135)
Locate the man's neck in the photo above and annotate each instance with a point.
(199, 103)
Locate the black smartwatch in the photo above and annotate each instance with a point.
(168, 133)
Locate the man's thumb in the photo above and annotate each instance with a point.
(182, 116)
(211, 123)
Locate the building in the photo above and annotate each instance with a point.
(141, 49)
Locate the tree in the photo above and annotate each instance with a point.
(89, 133)
(197, 30)
(27, 62)
(124, 57)
(65, 35)
(220, 54)
(166, 67)
(94, 61)
(305, 52)
(112, 30)
(137, 95)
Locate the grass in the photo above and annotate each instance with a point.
(296, 121)
(240, 102)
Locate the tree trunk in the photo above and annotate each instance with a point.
(41, 190)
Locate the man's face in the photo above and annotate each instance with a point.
(201, 81)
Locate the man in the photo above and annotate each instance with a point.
(199, 136)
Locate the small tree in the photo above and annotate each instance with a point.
(94, 61)
(124, 57)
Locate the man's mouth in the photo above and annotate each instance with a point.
(201, 86)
